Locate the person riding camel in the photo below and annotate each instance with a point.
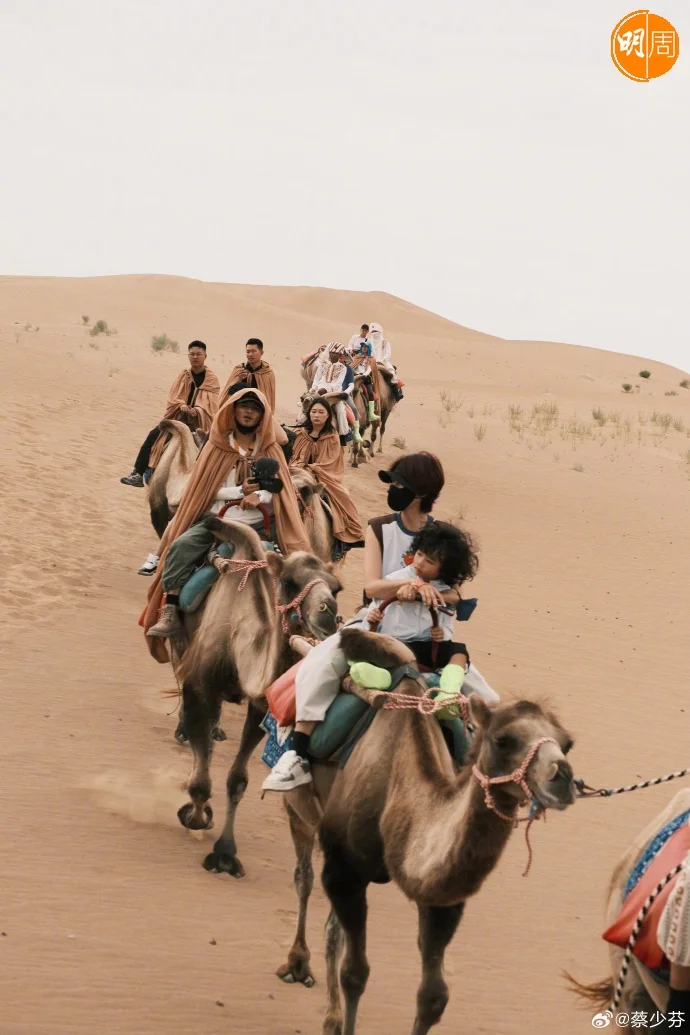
(356, 342)
(334, 374)
(242, 433)
(255, 373)
(364, 364)
(443, 556)
(383, 357)
(193, 399)
(317, 448)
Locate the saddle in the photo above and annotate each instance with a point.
(347, 720)
(661, 855)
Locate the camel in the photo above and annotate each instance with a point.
(642, 991)
(238, 644)
(400, 811)
(170, 477)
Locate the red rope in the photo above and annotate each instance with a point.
(296, 604)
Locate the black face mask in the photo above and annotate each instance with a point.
(399, 498)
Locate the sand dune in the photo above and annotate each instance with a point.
(578, 494)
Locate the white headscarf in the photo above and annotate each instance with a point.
(376, 335)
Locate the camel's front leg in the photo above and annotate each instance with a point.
(437, 925)
(201, 715)
(223, 858)
(296, 970)
(381, 431)
(348, 896)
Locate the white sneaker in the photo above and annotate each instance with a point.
(149, 566)
(290, 771)
(474, 683)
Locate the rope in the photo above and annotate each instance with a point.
(235, 567)
(427, 705)
(635, 933)
(537, 810)
(585, 791)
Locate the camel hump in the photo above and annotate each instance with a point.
(376, 648)
(175, 427)
(241, 536)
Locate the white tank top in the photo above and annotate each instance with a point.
(395, 541)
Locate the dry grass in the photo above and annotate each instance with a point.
(449, 403)
(664, 421)
(626, 386)
(684, 383)
(101, 327)
(162, 343)
(578, 467)
(399, 443)
(480, 432)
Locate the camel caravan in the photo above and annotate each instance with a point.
(381, 736)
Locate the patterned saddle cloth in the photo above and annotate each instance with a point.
(668, 848)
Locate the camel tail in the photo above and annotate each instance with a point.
(599, 994)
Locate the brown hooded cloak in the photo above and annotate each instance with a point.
(263, 379)
(216, 460)
(324, 458)
(205, 400)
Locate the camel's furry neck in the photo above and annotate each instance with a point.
(441, 840)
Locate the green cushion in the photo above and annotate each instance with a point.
(332, 733)
(347, 710)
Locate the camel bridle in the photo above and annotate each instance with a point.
(518, 776)
(246, 567)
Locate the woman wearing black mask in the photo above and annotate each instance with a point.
(415, 483)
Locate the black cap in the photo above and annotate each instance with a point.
(392, 476)
(250, 394)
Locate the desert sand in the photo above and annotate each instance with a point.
(580, 507)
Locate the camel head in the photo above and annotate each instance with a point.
(505, 735)
(319, 608)
(306, 484)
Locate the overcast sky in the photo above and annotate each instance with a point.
(485, 160)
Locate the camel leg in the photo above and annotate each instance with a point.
(296, 970)
(437, 925)
(223, 858)
(200, 716)
(182, 736)
(384, 418)
(348, 896)
(333, 1022)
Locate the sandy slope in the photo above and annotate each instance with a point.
(107, 916)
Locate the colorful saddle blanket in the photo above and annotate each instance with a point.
(668, 848)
